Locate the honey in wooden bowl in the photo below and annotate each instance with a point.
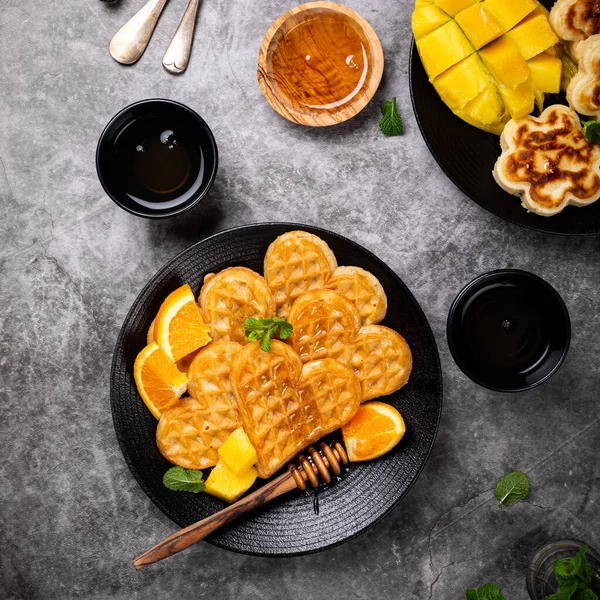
(320, 64)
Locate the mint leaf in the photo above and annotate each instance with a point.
(179, 479)
(576, 579)
(591, 130)
(264, 329)
(489, 591)
(391, 122)
(512, 488)
(586, 594)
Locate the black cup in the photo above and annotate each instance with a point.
(509, 330)
(115, 173)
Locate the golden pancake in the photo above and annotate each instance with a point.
(286, 406)
(295, 263)
(363, 290)
(547, 161)
(190, 433)
(574, 20)
(583, 92)
(229, 297)
(327, 325)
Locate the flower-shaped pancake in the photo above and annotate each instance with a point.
(547, 161)
(583, 92)
(574, 20)
(327, 325)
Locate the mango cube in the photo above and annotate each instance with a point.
(426, 19)
(237, 452)
(520, 100)
(443, 48)
(225, 484)
(461, 83)
(479, 26)
(545, 73)
(453, 7)
(486, 111)
(505, 62)
(509, 12)
(533, 36)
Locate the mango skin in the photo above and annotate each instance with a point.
(225, 484)
(546, 72)
(443, 48)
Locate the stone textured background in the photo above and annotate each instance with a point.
(72, 516)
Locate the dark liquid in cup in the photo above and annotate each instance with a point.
(505, 329)
(160, 165)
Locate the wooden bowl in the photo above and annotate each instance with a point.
(320, 64)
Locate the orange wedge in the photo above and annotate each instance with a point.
(158, 380)
(179, 328)
(374, 430)
(184, 363)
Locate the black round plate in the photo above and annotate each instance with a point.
(467, 155)
(366, 492)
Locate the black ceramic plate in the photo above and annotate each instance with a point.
(366, 492)
(467, 155)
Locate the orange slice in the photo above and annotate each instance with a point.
(158, 380)
(179, 328)
(374, 430)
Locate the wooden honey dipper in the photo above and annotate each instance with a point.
(319, 464)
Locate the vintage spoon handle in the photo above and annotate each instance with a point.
(177, 56)
(131, 40)
(185, 538)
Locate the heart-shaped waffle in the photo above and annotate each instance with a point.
(228, 298)
(284, 405)
(295, 263)
(327, 325)
(190, 433)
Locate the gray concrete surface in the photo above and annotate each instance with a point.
(72, 516)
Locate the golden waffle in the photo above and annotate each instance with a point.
(327, 325)
(553, 143)
(190, 433)
(295, 263)
(381, 359)
(363, 290)
(285, 406)
(229, 297)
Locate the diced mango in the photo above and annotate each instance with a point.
(509, 12)
(453, 7)
(505, 62)
(533, 35)
(237, 452)
(225, 484)
(426, 19)
(461, 83)
(539, 98)
(545, 73)
(479, 26)
(520, 100)
(486, 111)
(443, 48)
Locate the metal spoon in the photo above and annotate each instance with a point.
(177, 56)
(131, 40)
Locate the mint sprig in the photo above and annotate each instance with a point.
(576, 579)
(262, 330)
(512, 488)
(391, 122)
(591, 130)
(179, 479)
(489, 591)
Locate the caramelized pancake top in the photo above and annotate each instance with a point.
(574, 20)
